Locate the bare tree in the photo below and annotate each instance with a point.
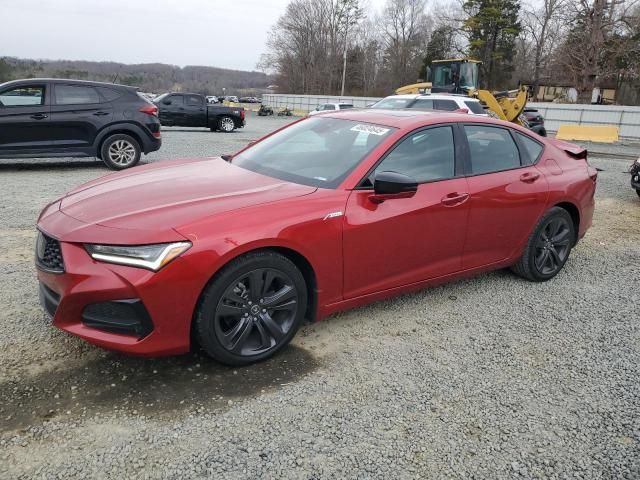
(542, 28)
(405, 32)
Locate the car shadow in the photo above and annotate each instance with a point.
(136, 386)
(49, 164)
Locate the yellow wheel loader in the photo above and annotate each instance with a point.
(461, 77)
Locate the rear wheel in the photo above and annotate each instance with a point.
(226, 124)
(252, 308)
(120, 151)
(548, 247)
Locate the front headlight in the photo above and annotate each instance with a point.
(151, 257)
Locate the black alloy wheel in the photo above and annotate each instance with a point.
(548, 247)
(256, 311)
(553, 246)
(251, 309)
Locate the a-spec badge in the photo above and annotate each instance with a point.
(332, 215)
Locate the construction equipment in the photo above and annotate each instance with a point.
(461, 77)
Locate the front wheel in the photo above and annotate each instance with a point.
(548, 247)
(120, 151)
(226, 124)
(251, 309)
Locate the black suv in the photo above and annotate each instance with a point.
(72, 118)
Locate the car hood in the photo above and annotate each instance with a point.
(172, 194)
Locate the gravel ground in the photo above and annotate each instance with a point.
(491, 377)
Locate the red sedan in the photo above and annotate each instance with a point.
(328, 213)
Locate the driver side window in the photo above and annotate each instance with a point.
(425, 156)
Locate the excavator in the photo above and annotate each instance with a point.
(461, 77)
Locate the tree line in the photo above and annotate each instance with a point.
(578, 43)
(150, 77)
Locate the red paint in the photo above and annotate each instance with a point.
(368, 250)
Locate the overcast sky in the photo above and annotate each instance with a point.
(220, 33)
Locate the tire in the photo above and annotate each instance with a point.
(226, 124)
(238, 326)
(548, 247)
(120, 151)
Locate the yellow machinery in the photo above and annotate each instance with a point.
(461, 77)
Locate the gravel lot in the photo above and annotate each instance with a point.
(492, 377)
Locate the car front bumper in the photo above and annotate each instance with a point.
(121, 308)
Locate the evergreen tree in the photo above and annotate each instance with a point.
(440, 47)
(493, 27)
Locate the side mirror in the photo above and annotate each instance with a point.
(391, 185)
(167, 102)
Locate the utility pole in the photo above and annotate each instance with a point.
(344, 68)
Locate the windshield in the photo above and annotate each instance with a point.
(391, 102)
(318, 151)
(449, 74)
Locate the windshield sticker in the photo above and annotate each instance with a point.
(372, 129)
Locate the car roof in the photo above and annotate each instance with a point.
(66, 81)
(409, 119)
(434, 96)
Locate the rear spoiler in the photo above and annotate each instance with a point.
(573, 150)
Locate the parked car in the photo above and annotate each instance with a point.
(535, 120)
(41, 118)
(192, 110)
(330, 107)
(211, 99)
(249, 100)
(329, 213)
(635, 176)
(448, 103)
(231, 98)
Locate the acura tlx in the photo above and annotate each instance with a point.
(331, 212)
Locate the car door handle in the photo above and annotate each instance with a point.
(529, 177)
(101, 114)
(454, 199)
(39, 116)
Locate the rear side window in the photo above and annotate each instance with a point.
(23, 96)
(109, 94)
(532, 148)
(475, 107)
(446, 105)
(75, 95)
(342, 107)
(193, 101)
(423, 103)
(425, 156)
(491, 149)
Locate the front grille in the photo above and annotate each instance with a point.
(49, 254)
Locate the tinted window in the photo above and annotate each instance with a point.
(423, 104)
(319, 151)
(345, 105)
(328, 106)
(446, 105)
(193, 100)
(474, 107)
(109, 94)
(75, 95)
(532, 148)
(424, 156)
(22, 97)
(175, 99)
(492, 149)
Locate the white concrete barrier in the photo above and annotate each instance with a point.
(627, 119)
